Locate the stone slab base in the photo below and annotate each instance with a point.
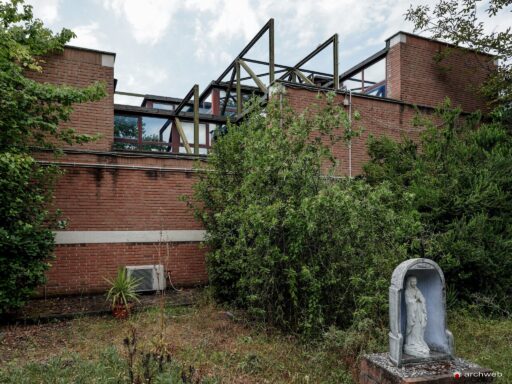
(378, 369)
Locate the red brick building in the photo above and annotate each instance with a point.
(120, 193)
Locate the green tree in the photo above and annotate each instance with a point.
(30, 115)
(460, 178)
(296, 247)
(459, 174)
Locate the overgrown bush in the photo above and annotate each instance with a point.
(290, 242)
(460, 178)
(30, 116)
(26, 239)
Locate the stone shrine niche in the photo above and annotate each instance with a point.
(427, 277)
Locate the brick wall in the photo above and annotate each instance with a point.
(80, 68)
(378, 117)
(93, 198)
(99, 191)
(125, 200)
(414, 76)
(81, 268)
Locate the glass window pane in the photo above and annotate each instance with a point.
(188, 128)
(151, 128)
(202, 134)
(168, 107)
(126, 127)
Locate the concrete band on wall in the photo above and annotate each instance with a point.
(106, 237)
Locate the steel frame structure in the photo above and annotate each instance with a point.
(234, 89)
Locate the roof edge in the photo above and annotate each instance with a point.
(90, 50)
(437, 41)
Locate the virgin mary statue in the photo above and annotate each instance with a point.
(416, 320)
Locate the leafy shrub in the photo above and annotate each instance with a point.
(30, 115)
(26, 239)
(461, 184)
(290, 242)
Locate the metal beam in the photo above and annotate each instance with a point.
(246, 48)
(253, 75)
(184, 101)
(335, 62)
(196, 119)
(263, 74)
(362, 65)
(164, 127)
(238, 89)
(286, 68)
(303, 77)
(320, 48)
(133, 110)
(182, 135)
(129, 94)
(271, 51)
(228, 93)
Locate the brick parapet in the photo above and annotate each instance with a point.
(379, 117)
(80, 68)
(416, 75)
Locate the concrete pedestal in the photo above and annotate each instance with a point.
(378, 369)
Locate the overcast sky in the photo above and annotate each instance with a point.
(165, 46)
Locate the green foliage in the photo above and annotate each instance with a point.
(30, 113)
(457, 22)
(123, 288)
(26, 239)
(298, 249)
(461, 183)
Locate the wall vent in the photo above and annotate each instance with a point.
(151, 277)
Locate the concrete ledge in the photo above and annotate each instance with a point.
(107, 237)
(377, 368)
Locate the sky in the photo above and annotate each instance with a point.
(164, 47)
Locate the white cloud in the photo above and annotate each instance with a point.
(220, 23)
(46, 10)
(87, 36)
(137, 78)
(299, 24)
(148, 19)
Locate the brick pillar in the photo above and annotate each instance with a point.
(393, 67)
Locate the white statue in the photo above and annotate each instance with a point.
(416, 320)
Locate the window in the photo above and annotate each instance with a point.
(139, 133)
(168, 107)
(157, 134)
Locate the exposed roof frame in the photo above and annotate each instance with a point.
(333, 40)
(362, 65)
(152, 112)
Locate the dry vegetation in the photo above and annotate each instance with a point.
(221, 348)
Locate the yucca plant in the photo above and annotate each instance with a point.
(122, 292)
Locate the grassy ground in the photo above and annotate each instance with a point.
(484, 341)
(219, 349)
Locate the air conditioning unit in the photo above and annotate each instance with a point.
(151, 277)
